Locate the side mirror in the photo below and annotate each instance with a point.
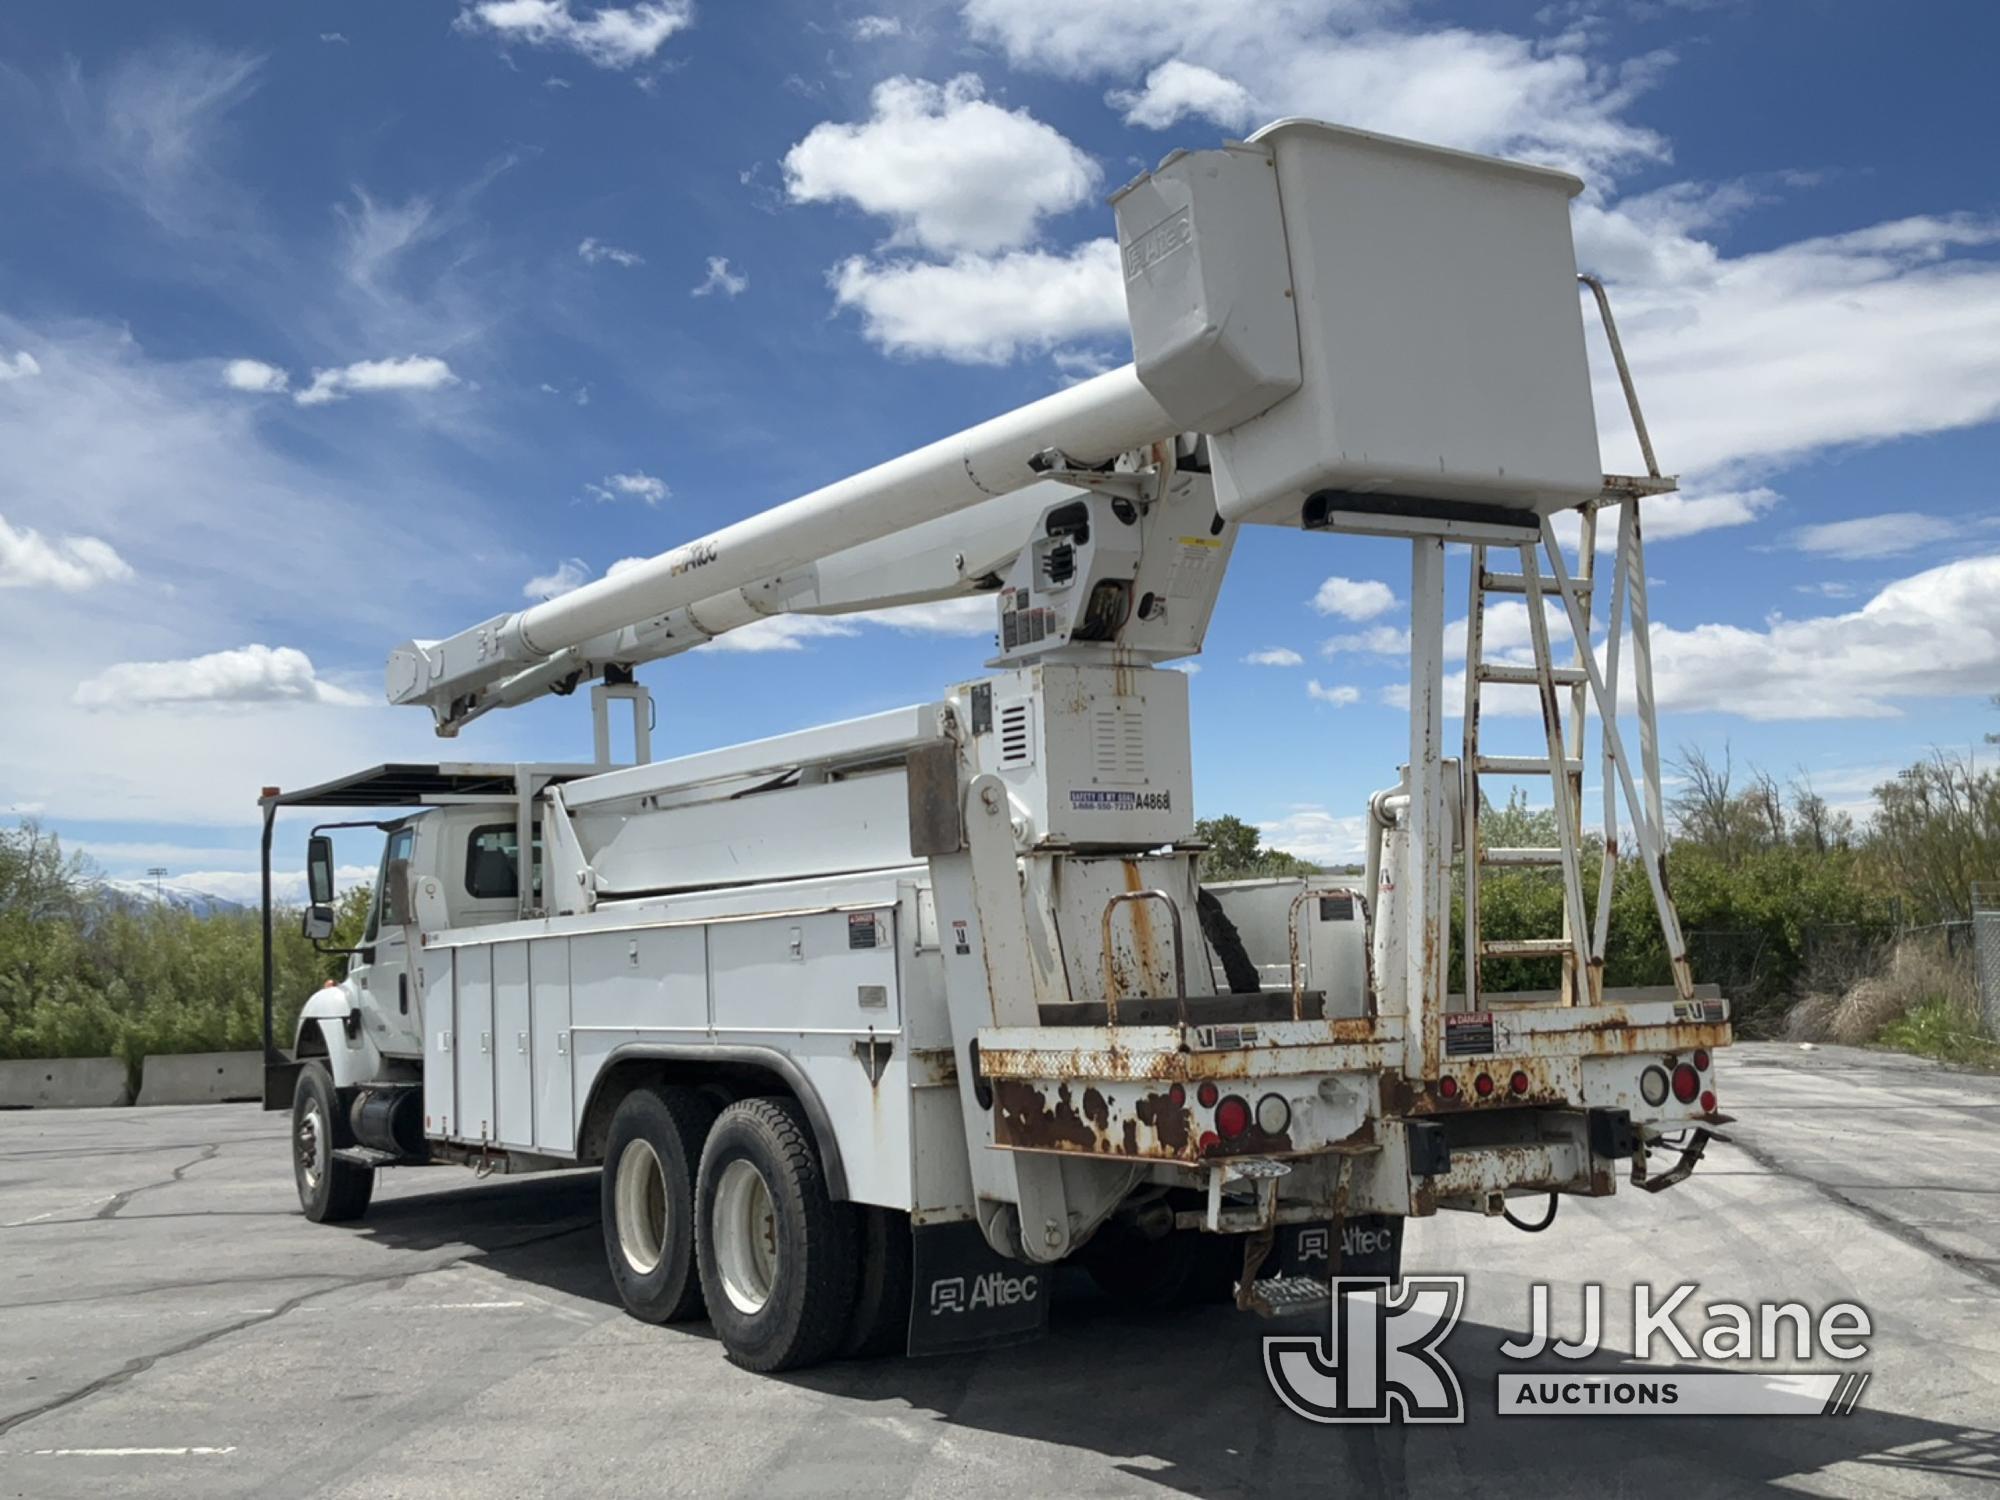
(317, 923)
(319, 870)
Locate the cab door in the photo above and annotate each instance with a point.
(384, 970)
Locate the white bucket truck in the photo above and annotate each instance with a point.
(870, 1025)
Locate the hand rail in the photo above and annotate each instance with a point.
(1180, 961)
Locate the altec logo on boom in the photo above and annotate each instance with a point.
(1383, 1359)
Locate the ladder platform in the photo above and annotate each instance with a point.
(1554, 947)
(1509, 676)
(1495, 858)
(1522, 765)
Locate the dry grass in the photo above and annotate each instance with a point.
(1917, 973)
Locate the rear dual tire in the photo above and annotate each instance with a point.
(778, 1255)
(647, 1199)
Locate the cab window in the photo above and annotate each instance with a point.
(394, 850)
(493, 862)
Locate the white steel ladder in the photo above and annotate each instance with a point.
(1581, 943)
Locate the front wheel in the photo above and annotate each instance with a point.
(777, 1254)
(330, 1190)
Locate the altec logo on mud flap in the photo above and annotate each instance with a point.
(1382, 1359)
(994, 1289)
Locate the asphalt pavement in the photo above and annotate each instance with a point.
(170, 1325)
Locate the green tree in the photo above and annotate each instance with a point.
(1236, 852)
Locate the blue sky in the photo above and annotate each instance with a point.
(325, 325)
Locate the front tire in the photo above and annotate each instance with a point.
(330, 1190)
(777, 1254)
(648, 1201)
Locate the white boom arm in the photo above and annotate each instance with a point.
(954, 557)
(1091, 423)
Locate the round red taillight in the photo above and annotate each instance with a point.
(1483, 1086)
(1210, 1140)
(1707, 1103)
(1687, 1083)
(1206, 1094)
(1701, 1059)
(1177, 1096)
(1519, 1082)
(1232, 1116)
(1448, 1088)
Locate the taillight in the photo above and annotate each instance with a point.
(1701, 1059)
(1448, 1088)
(1210, 1140)
(1707, 1103)
(1177, 1096)
(1687, 1083)
(1274, 1115)
(1206, 1094)
(1483, 1086)
(1232, 1116)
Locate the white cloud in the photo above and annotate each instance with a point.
(254, 375)
(721, 279)
(875, 28)
(611, 37)
(1543, 99)
(1875, 536)
(568, 574)
(1376, 640)
(637, 486)
(968, 615)
(248, 674)
(1354, 598)
(70, 563)
(411, 372)
(952, 170)
(779, 633)
(595, 250)
(623, 564)
(1747, 362)
(1186, 668)
(1275, 656)
(1340, 696)
(1317, 835)
(978, 309)
(18, 366)
(1176, 89)
(332, 36)
(152, 126)
(1934, 634)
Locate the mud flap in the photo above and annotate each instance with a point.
(963, 1296)
(1370, 1245)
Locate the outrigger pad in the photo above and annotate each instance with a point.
(1370, 1245)
(964, 1296)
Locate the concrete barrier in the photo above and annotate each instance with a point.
(64, 1083)
(202, 1078)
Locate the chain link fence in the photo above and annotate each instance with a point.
(1986, 952)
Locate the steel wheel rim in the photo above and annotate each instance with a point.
(640, 1194)
(746, 1237)
(310, 1143)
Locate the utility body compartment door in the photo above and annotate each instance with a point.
(475, 1044)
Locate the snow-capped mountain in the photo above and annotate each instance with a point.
(143, 895)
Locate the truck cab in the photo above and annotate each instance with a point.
(450, 867)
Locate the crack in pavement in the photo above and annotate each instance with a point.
(140, 1364)
(118, 1200)
(1984, 1269)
